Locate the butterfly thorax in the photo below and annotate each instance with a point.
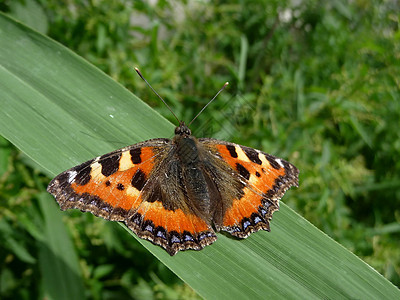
(186, 145)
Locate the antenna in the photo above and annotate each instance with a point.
(223, 87)
(154, 91)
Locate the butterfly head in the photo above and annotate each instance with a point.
(182, 129)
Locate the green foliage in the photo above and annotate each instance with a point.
(317, 84)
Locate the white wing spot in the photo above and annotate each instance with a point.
(125, 161)
(71, 176)
(279, 161)
(133, 192)
(241, 155)
(95, 172)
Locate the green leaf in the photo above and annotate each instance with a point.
(61, 111)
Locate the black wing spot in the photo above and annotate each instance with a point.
(252, 155)
(120, 187)
(138, 180)
(232, 150)
(272, 161)
(135, 155)
(110, 164)
(243, 171)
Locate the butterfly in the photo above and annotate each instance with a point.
(177, 193)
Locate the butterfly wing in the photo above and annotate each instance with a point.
(247, 185)
(133, 185)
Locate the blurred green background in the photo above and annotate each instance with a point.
(314, 82)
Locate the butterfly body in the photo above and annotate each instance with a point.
(177, 193)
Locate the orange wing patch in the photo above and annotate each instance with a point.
(171, 229)
(115, 190)
(172, 220)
